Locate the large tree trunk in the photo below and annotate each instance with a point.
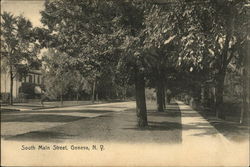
(11, 87)
(77, 97)
(124, 93)
(246, 89)
(219, 94)
(141, 109)
(224, 60)
(159, 95)
(93, 91)
(164, 97)
(244, 109)
(61, 97)
(247, 99)
(97, 97)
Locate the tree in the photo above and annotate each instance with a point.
(134, 58)
(56, 74)
(246, 87)
(18, 46)
(214, 32)
(162, 44)
(60, 80)
(78, 83)
(81, 30)
(89, 31)
(244, 66)
(235, 34)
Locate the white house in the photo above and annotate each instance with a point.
(34, 76)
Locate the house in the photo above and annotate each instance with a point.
(30, 85)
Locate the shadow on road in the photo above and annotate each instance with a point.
(39, 118)
(58, 111)
(189, 114)
(164, 114)
(159, 126)
(102, 107)
(112, 127)
(40, 136)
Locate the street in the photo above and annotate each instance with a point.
(180, 134)
(99, 122)
(113, 122)
(125, 83)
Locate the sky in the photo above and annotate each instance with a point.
(28, 8)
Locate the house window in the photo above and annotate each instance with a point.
(38, 79)
(30, 78)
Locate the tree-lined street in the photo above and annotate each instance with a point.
(175, 73)
(28, 121)
(118, 49)
(180, 134)
(111, 122)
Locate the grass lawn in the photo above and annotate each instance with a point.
(115, 127)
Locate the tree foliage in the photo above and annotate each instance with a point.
(148, 41)
(18, 46)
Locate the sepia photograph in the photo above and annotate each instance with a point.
(125, 83)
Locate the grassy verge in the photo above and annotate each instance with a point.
(230, 127)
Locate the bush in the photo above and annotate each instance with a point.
(22, 97)
(27, 89)
(231, 109)
(5, 97)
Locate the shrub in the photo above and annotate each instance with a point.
(5, 97)
(28, 90)
(22, 97)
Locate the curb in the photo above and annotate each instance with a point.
(43, 108)
(9, 110)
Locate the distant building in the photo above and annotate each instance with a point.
(33, 79)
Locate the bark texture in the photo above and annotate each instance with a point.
(11, 87)
(219, 95)
(141, 109)
(160, 96)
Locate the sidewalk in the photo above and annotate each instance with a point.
(176, 139)
(195, 127)
(203, 139)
